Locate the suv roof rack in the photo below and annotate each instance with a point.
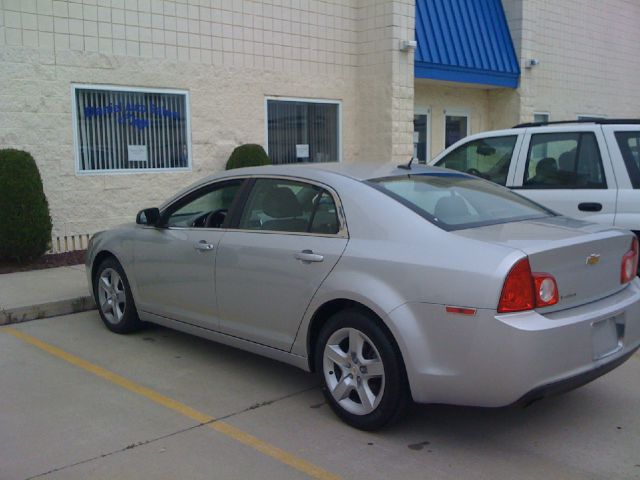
(599, 121)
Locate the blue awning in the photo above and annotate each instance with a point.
(465, 41)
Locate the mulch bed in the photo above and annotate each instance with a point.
(47, 261)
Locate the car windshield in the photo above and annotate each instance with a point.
(455, 201)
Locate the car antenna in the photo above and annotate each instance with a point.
(407, 166)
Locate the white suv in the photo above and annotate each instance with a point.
(582, 169)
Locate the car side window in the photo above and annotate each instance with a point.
(207, 209)
(564, 160)
(488, 158)
(629, 143)
(289, 206)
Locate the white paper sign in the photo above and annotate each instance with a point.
(416, 137)
(302, 150)
(137, 153)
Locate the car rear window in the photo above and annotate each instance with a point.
(455, 201)
(629, 143)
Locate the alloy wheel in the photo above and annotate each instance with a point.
(111, 295)
(353, 371)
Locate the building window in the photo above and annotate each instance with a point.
(456, 127)
(587, 118)
(303, 130)
(541, 117)
(120, 129)
(421, 146)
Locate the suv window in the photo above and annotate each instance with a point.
(289, 206)
(488, 158)
(629, 143)
(564, 160)
(207, 208)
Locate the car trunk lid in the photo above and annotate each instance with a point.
(585, 259)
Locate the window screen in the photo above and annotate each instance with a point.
(120, 130)
(302, 131)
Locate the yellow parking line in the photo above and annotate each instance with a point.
(219, 426)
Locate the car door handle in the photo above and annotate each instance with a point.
(308, 256)
(590, 207)
(204, 246)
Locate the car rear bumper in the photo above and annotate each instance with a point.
(571, 383)
(495, 360)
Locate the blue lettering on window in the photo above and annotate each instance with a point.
(129, 113)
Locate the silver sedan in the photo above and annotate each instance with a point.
(394, 284)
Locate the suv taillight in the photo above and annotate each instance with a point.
(524, 290)
(630, 263)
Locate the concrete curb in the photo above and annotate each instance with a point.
(46, 310)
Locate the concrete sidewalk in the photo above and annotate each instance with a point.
(43, 293)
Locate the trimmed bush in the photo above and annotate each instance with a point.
(25, 224)
(248, 155)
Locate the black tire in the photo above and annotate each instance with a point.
(122, 318)
(393, 385)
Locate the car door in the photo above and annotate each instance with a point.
(623, 142)
(288, 238)
(488, 157)
(175, 262)
(569, 171)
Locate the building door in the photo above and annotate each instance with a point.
(422, 135)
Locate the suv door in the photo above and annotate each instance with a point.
(288, 238)
(174, 263)
(568, 170)
(486, 157)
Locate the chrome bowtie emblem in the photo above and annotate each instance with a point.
(593, 259)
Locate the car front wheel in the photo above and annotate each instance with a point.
(362, 372)
(113, 296)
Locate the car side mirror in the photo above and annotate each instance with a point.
(148, 216)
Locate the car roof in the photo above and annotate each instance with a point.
(327, 173)
(330, 174)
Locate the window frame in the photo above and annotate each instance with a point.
(546, 114)
(119, 88)
(455, 112)
(580, 134)
(426, 111)
(197, 192)
(240, 202)
(304, 100)
(515, 154)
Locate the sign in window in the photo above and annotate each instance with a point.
(128, 130)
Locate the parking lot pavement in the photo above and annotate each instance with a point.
(77, 402)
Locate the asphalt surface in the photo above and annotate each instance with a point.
(78, 402)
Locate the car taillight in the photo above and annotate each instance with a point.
(546, 289)
(524, 290)
(630, 263)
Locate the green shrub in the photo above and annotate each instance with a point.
(248, 155)
(25, 224)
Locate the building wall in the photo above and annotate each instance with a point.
(228, 54)
(588, 56)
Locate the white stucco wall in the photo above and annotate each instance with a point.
(229, 55)
(588, 57)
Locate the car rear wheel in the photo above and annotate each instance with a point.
(113, 296)
(362, 372)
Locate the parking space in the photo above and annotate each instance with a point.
(77, 401)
